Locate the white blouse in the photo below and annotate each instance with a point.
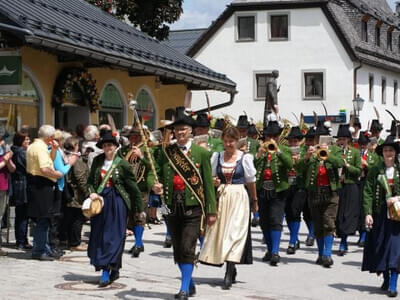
(247, 162)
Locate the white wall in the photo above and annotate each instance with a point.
(312, 44)
(363, 89)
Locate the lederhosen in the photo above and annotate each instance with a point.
(323, 203)
(271, 203)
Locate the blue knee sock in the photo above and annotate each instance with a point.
(256, 215)
(363, 235)
(187, 271)
(267, 238)
(343, 243)
(138, 232)
(276, 240)
(310, 228)
(294, 233)
(328, 243)
(105, 276)
(201, 240)
(320, 243)
(394, 275)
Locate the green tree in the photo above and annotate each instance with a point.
(149, 15)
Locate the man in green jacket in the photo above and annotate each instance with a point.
(135, 154)
(322, 182)
(251, 146)
(187, 185)
(203, 128)
(349, 205)
(272, 183)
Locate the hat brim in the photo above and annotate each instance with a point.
(101, 142)
(379, 149)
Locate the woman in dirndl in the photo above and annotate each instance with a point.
(382, 246)
(111, 178)
(229, 239)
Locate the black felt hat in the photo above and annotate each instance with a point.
(310, 133)
(182, 117)
(243, 122)
(295, 133)
(219, 124)
(391, 140)
(252, 130)
(273, 129)
(392, 129)
(363, 138)
(322, 129)
(203, 120)
(343, 131)
(107, 137)
(357, 122)
(376, 126)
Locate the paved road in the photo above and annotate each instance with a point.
(154, 276)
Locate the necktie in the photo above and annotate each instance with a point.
(183, 148)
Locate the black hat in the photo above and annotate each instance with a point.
(182, 117)
(376, 126)
(219, 124)
(272, 129)
(392, 129)
(322, 129)
(390, 141)
(252, 130)
(343, 131)
(295, 133)
(107, 137)
(363, 138)
(310, 133)
(357, 122)
(203, 120)
(133, 131)
(243, 122)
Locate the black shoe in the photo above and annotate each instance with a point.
(275, 259)
(181, 295)
(192, 290)
(297, 246)
(43, 257)
(255, 222)
(54, 254)
(24, 247)
(327, 261)
(114, 275)
(234, 275)
(291, 250)
(319, 261)
(385, 286)
(310, 241)
(168, 242)
(341, 252)
(392, 294)
(361, 244)
(267, 256)
(230, 267)
(136, 251)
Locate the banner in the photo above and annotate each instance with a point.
(10, 72)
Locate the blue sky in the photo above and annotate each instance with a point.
(200, 13)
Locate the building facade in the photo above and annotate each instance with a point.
(325, 51)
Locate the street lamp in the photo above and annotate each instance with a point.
(358, 104)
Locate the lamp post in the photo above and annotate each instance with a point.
(358, 104)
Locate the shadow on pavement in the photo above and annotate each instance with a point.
(164, 254)
(20, 255)
(213, 282)
(83, 278)
(362, 288)
(142, 294)
(352, 263)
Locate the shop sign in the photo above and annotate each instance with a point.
(10, 72)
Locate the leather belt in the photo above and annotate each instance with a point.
(268, 185)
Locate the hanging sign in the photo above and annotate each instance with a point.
(10, 72)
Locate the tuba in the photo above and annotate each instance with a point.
(139, 169)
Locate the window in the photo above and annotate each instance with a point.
(246, 28)
(313, 85)
(383, 90)
(279, 26)
(389, 40)
(261, 85)
(145, 108)
(111, 103)
(395, 90)
(378, 35)
(364, 30)
(371, 87)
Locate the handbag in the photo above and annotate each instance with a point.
(93, 207)
(394, 211)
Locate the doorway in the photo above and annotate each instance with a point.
(68, 116)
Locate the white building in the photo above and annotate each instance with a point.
(327, 51)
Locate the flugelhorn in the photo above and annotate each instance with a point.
(321, 153)
(271, 146)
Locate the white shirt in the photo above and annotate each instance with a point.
(247, 162)
(187, 146)
(389, 172)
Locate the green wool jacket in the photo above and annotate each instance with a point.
(252, 146)
(215, 145)
(300, 169)
(372, 160)
(201, 159)
(123, 180)
(374, 193)
(353, 172)
(332, 164)
(147, 182)
(280, 165)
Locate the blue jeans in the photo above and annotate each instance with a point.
(21, 225)
(40, 237)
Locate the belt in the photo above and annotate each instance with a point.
(292, 180)
(268, 185)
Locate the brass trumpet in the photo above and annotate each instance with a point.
(271, 146)
(321, 153)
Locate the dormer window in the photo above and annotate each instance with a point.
(378, 33)
(364, 28)
(390, 38)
